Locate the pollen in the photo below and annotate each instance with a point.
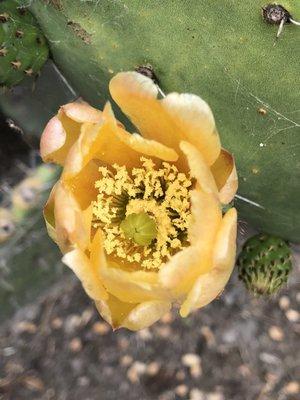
(157, 194)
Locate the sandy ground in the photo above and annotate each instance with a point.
(237, 348)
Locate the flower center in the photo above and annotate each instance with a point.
(144, 213)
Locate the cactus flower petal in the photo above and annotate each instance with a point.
(170, 120)
(225, 176)
(139, 217)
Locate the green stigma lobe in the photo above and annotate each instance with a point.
(140, 228)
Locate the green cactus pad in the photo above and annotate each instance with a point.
(23, 48)
(264, 264)
(223, 51)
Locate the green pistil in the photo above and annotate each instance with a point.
(140, 228)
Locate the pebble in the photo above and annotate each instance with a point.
(26, 327)
(33, 383)
(135, 371)
(153, 368)
(284, 302)
(86, 316)
(72, 323)
(83, 381)
(276, 333)
(75, 345)
(196, 394)
(167, 318)
(193, 362)
(181, 390)
(126, 360)
(123, 343)
(164, 331)
(145, 334)
(56, 323)
(100, 328)
(244, 370)
(180, 375)
(292, 387)
(209, 336)
(292, 315)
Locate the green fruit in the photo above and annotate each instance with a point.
(264, 264)
(223, 51)
(23, 48)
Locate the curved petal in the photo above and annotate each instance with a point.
(81, 111)
(180, 272)
(131, 316)
(199, 169)
(72, 223)
(225, 175)
(48, 213)
(87, 274)
(210, 285)
(170, 120)
(63, 130)
(133, 286)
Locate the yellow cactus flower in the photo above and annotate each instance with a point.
(139, 216)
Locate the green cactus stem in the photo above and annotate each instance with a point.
(264, 264)
(23, 47)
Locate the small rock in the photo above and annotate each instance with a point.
(9, 351)
(72, 323)
(276, 333)
(292, 315)
(135, 371)
(163, 331)
(181, 390)
(196, 394)
(209, 336)
(100, 328)
(126, 360)
(244, 370)
(269, 358)
(167, 318)
(284, 302)
(83, 381)
(56, 323)
(153, 368)
(86, 316)
(33, 383)
(26, 327)
(193, 362)
(144, 334)
(13, 368)
(292, 387)
(75, 345)
(123, 343)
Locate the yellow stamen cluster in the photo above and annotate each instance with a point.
(162, 193)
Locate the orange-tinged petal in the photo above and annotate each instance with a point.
(199, 168)
(130, 315)
(170, 120)
(86, 272)
(81, 111)
(53, 139)
(49, 214)
(72, 223)
(208, 286)
(225, 175)
(180, 272)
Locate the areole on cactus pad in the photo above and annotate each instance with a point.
(225, 52)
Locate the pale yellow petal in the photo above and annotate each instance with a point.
(225, 175)
(80, 111)
(145, 314)
(132, 286)
(180, 272)
(72, 224)
(49, 214)
(129, 315)
(86, 273)
(199, 168)
(208, 286)
(170, 120)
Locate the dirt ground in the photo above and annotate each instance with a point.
(237, 348)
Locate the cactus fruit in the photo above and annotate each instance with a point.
(264, 264)
(223, 51)
(23, 48)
